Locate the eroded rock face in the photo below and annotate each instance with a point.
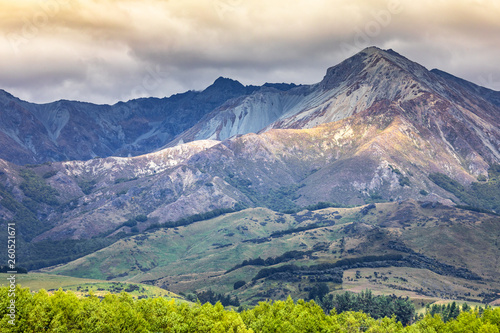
(383, 127)
(373, 81)
(378, 154)
(69, 130)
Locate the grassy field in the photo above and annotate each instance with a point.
(196, 257)
(83, 286)
(211, 245)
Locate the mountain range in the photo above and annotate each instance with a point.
(378, 130)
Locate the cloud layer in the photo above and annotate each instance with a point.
(104, 51)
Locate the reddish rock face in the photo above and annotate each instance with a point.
(374, 132)
(69, 130)
(373, 79)
(371, 82)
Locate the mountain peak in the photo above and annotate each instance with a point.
(370, 61)
(224, 87)
(226, 83)
(376, 50)
(371, 50)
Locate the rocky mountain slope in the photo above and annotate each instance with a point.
(372, 156)
(69, 130)
(397, 124)
(378, 129)
(371, 79)
(419, 249)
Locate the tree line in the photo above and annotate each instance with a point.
(65, 312)
(376, 306)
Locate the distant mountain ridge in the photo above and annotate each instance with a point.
(357, 84)
(389, 143)
(70, 130)
(376, 126)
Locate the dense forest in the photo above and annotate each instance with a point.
(65, 312)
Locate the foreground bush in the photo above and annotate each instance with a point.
(65, 312)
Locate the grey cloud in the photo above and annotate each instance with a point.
(105, 51)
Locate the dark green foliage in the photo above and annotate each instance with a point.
(19, 270)
(403, 180)
(482, 195)
(28, 225)
(131, 288)
(238, 284)
(87, 186)
(396, 171)
(486, 195)
(343, 263)
(318, 291)
(446, 182)
(494, 172)
(476, 209)
(123, 180)
(265, 272)
(48, 253)
(313, 207)
(141, 218)
(210, 297)
(120, 180)
(196, 218)
(133, 222)
(323, 205)
(130, 223)
(375, 197)
(250, 262)
(375, 306)
(36, 189)
(466, 307)
(280, 200)
(342, 245)
(423, 192)
(365, 210)
(304, 228)
(447, 312)
(49, 174)
(287, 256)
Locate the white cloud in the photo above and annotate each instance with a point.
(108, 50)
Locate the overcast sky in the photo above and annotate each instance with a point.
(103, 51)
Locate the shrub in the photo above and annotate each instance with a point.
(423, 192)
(141, 218)
(238, 284)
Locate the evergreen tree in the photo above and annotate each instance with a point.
(454, 311)
(466, 307)
(318, 291)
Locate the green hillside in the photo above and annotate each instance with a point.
(454, 252)
(83, 286)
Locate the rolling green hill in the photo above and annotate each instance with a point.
(278, 254)
(84, 286)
